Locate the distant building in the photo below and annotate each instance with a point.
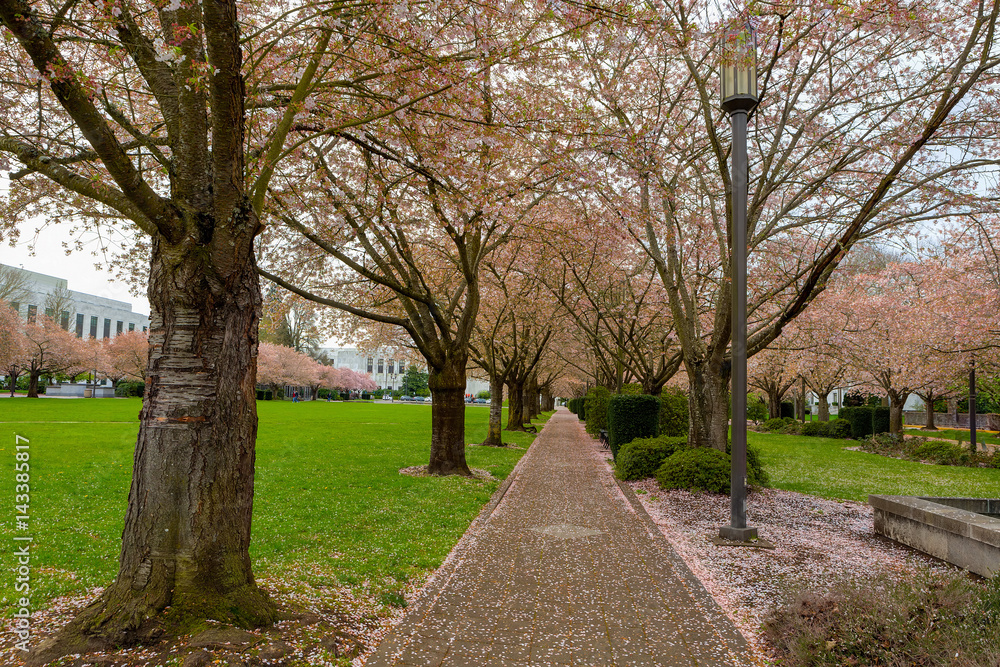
(387, 367)
(87, 315)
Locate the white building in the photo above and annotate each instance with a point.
(386, 366)
(88, 315)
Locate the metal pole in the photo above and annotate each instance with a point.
(972, 405)
(737, 530)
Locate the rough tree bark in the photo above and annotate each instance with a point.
(447, 385)
(515, 405)
(708, 404)
(928, 398)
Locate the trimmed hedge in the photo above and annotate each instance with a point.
(787, 410)
(641, 457)
(575, 405)
(264, 395)
(880, 420)
(860, 418)
(815, 429)
(674, 415)
(596, 409)
(695, 469)
(130, 388)
(840, 428)
(631, 417)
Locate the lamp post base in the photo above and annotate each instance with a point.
(737, 534)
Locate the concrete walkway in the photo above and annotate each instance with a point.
(564, 568)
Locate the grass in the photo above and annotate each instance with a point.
(330, 508)
(958, 435)
(823, 467)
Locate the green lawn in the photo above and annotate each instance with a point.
(330, 507)
(823, 467)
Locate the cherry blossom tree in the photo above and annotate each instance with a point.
(48, 349)
(844, 148)
(12, 351)
(129, 353)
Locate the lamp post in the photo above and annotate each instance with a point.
(972, 404)
(739, 96)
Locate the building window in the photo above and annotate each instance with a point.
(144, 329)
(119, 327)
(50, 313)
(32, 313)
(392, 365)
(79, 325)
(107, 327)
(64, 320)
(381, 366)
(402, 368)
(93, 326)
(131, 326)
(370, 364)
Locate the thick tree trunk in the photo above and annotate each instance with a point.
(824, 409)
(708, 404)
(494, 433)
(447, 385)
(185, 544)
(33, 383)
(515, 407)
(773, 402)
(548, 403)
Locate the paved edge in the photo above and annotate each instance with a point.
(724, 626)
(434, 586)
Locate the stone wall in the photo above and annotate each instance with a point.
(987, 421)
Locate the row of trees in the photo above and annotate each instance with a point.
(278, 366)
(450, 173)
(43, 349)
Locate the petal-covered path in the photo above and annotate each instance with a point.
(564, 568)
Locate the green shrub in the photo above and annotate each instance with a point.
(880, 420)
(597, 409)
(641, 457)
(674, 415)
(942, 453)
(583, 409)
(788, 409)
(264, 395)
(840, 428)
(130, 388)
(791, 427)
(815, 429)
(632, 389)
(861, 421)
(707, 469)
(756, 408)
(631, 417)
(775, 424)
(922, 620)
(695, 469)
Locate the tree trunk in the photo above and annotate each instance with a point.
(185, 544)
(708, 404)
(896, 403)
(547, 402)
(823, 414)
(515, 407)
(773, 403)
(33, 376)
(447, 385)
(494, 435)
(929, 411)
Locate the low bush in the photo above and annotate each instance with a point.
(775, 424)
(791, 427)
(641, 457)
(631, 417)
(127, 388)
(815, 429)
(264, 395)
(674, 415)
(756, 408)
(695, 469)
(708, 469)
(923, 620)
(861, 420)
(840, 428)
(942, 453)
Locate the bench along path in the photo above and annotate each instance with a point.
(567, 569)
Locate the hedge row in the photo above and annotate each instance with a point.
(596, 409)
(865, 420)
(631, 417)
